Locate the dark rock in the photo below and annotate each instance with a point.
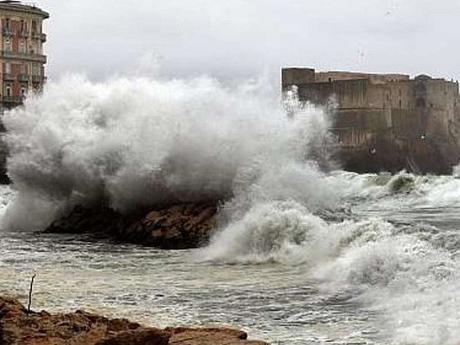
(180, 226)
(89, 220)
(176, 227)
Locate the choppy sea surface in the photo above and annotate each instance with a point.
(385, 273)
(301, 256)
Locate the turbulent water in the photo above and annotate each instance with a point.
(302, 256)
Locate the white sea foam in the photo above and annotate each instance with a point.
(132, 143)
(409, 274)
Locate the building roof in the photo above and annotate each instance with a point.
(18, 6)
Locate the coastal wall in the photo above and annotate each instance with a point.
(387, 122)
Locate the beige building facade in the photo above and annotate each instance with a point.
(22, 58)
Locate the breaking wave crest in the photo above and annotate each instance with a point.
(132, 143)
(408, 273)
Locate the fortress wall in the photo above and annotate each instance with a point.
(457, 108)
(316, 93)
(377, 96)
(391, 122)
(296, 76)
(374, 78)
(407, 124)
(440, 103)
(325, 77)
(368, 119)
(401, 95)
(351, 93)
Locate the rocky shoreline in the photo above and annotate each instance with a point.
(178, 226)
(18, 327)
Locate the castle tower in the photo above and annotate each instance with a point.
(22, 59)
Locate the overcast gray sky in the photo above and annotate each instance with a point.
(243, 38)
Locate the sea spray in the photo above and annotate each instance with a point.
(134, 143)
(406, 272)
(131, 143)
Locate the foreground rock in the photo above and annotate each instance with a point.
(180, 226)
(17, 327)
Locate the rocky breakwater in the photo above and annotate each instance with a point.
(178, 226)
(18, 327)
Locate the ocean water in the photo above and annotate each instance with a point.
(304, 254)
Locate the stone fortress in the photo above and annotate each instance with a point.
(386, 122)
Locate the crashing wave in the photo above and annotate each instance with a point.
(133, 143)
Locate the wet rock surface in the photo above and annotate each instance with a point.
(180, 226)
(18, 327)
(177, 227)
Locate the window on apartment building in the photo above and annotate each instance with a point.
(8, 91)
(22, 46)
(7, 24)
(23, 91)
(34, 26)
(8, 68)
(6, 44)
(23, 25)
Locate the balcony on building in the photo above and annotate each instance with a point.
(38, 36)
(8, 77)
(12, 100)
(24, 56)
(24, 78)
(38, 79)
(7, 32)
(23, 33)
